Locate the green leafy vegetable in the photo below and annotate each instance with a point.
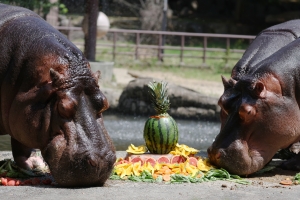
(10, 169)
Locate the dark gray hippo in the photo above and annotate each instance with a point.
(260, 105)
(50, 100)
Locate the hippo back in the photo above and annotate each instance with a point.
(11, 12)
(266, 44)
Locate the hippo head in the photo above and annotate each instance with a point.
(61, 114)
(79, 151)
(259, 116)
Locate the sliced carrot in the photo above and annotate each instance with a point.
(286, 182)
(168, 171)
(4, 181)
(166, 177)
(160, 172)
(155, 176)
(18, 182)
(11, 182)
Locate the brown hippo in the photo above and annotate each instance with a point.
(260, 105)
(50, 100)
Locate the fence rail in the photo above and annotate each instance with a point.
(160, 47)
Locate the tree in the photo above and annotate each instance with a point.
(41, 7)
(91, 14)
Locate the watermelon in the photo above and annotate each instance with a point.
(150, 160)
(177, 159)
(163, 159)
(161, 134)
(193, 161)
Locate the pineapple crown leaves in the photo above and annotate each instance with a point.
(159, 97)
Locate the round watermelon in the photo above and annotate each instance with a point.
(161, 134)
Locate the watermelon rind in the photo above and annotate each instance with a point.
(161, 134)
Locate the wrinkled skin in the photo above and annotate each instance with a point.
(51, 101)
(260, 104)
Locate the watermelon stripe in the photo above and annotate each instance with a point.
(175, 138)
(153, 135)
(148, 128)
(169, 134)
(160, 134)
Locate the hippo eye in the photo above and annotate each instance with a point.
(229, 99)
(66, 107)
(99, 102)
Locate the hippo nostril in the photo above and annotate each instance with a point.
(214, 153)
(218, 155)
(92, 162)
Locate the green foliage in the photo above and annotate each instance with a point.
(42, 7)
(211, 175)
(159, 97)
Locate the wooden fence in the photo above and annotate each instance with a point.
(160, 46)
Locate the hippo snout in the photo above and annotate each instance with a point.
(214, 155)
(84, 171)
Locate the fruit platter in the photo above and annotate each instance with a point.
(162, 159)
(182, 165)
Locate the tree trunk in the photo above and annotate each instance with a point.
(91, 11)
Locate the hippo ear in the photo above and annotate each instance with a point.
(55, 76)
(97, 75)
(228, 83)
(259, 90)
(225, 83)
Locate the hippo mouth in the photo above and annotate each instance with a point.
(69, 168)
(238, 158)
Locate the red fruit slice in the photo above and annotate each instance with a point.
(121, 162)
(3, 181)
(11, 182)
(150, 160)
(137, 159)
(177, 159)
(163, 159)
(17, 183)
(193, 161)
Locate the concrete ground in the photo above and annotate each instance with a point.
(116, 189)
(264, 187)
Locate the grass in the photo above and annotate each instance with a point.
(194, 68)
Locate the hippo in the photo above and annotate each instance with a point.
(260, 104)
(51, 101)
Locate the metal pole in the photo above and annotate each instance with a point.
(227, 49)
(159, 56)
(164, 27)
(204, 49)
(114, 46)
(137, 46)
(181, 49)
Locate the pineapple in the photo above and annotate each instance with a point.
(160, 130)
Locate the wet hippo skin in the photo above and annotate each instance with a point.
(260, 104)
(50, 100)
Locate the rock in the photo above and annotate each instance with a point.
(185, 103)
(112, 96)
